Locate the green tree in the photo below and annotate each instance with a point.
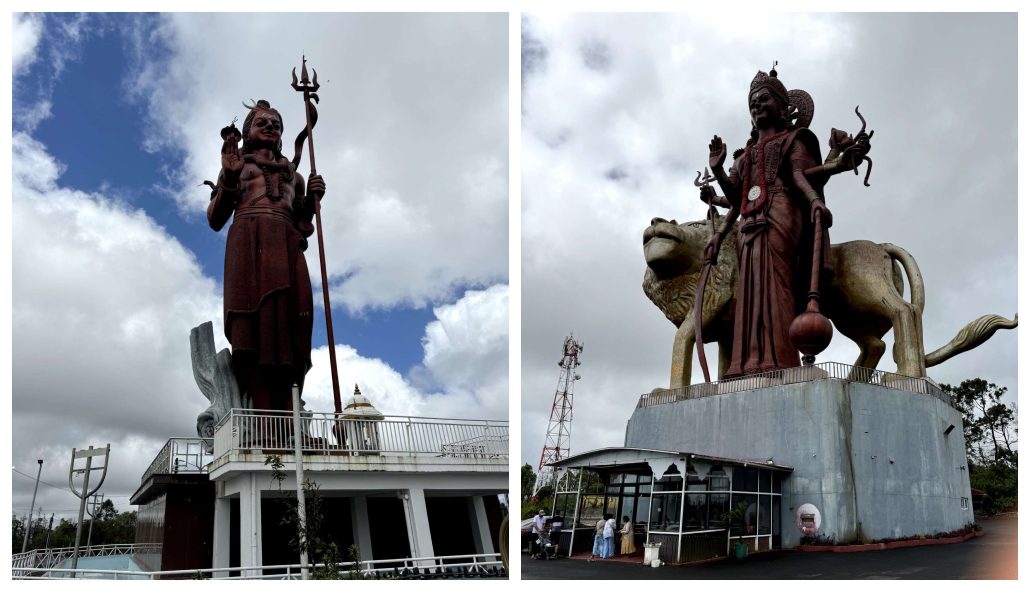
(988, 424)
(990, 429)
(528, 481)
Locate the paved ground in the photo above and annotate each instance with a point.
(992, 556)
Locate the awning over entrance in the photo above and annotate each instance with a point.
(657, 462)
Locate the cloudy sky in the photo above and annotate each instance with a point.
(116, 122)
(618, 111)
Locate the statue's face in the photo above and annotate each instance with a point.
(265, 129)
(765, 111)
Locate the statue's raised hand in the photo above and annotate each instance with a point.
(716, 153)
(232, 160)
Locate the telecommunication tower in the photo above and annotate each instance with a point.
(559, 428)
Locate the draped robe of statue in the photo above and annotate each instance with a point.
(268, 302)
(774, 249)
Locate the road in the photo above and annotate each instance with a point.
(992, 556)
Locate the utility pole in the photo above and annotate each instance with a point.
(298, 464)
(32, 508)
(86, 492)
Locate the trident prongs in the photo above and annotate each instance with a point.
(704, 181)
(305, 84)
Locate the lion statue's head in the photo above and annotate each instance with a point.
(673, 254)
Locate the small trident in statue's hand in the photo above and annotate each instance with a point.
(707, 195)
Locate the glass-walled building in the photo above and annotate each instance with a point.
(695, 505)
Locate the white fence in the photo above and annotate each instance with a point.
(820, 371)
(180, 455)
(449, 566)
(245, 429)
(45, 559)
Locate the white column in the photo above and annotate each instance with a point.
(417, 518)
(250, 525)
(359, 524)
(220, 546)
(480, 525)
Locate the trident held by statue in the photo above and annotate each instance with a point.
(309, 87)
(708, 193)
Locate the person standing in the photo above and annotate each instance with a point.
(609, 537)
(628, 546)
(598, 540)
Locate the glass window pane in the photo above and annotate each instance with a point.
(775, 515)
(696, 484)
(764, 514)
(695, 512)
(718, 483)
(745, 480)
(611, 505)
(673, 483)
(718, 505)
(591, 509)
(763, 480)
(559, 503)
(665, 512)
(746, 508)
(640, 511)
(615, 478)
(777, 477)
(628, 509)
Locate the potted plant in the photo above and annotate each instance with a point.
(736, 517)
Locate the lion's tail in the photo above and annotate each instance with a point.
(972, 335)
(915, 278)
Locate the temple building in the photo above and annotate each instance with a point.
(807, 455)
(405, 491)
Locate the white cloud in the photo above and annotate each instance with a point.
(411, 136)
(103, 302)
(605, 149)
(463, 371)
(25, 33)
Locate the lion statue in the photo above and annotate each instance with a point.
(863, 297)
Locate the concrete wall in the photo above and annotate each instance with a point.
(874, 461)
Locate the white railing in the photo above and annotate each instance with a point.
(478, 565)
(820, 371)
(180, 455)
(246, 429)
(38, 559)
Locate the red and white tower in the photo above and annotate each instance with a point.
(559, 428)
